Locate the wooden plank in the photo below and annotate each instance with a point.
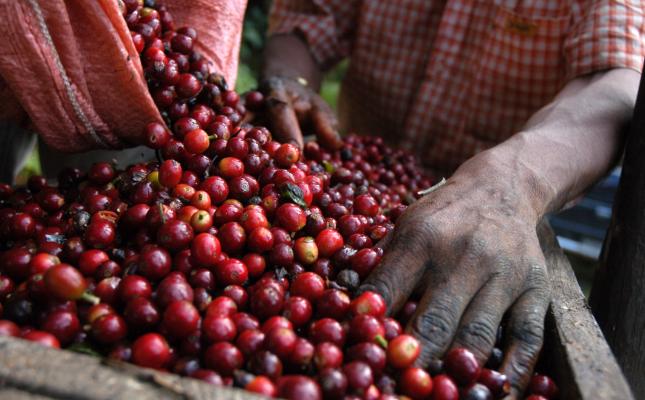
(38, 372)
(575, 353)
(575, 347)
(618, 293)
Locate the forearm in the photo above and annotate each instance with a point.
(288, 55)
(568, 144)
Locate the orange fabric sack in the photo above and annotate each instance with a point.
(73, 68)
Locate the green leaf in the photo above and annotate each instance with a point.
(293, 193)
(328, 166)
(84, 348)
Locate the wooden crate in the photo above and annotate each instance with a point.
(575, 352)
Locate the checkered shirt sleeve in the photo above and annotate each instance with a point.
(326, 25)
(607, 34)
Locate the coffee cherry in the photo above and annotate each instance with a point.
(496, 382)
(22, 226)
(64, 325)
(327, 330)
(230, 167)
(42, 338)
(544, 386)
(333, 383)
(281, 342)
(415, 383)
(291, 217)
(154, 262)
(266, 363)
(110, 328)
(8, 328)
(365, 328)
(196, 141)
(476, 391)
(402, 351)
(219, 328)
(151, 351)
(444, 388)
(42, 262)
(175, 235)
(295, 387)
(287, 155)
(66, 283)
(205, 250)
(180, 319)
(156, 135)
(187, 86)
(305, 250)
(298, 310)
(369, 303)
(308, 285)
(462, 366)
(224, 358)
(141, 313)
(261, 385)
(359, 375)
(170, 173)
(329, 241)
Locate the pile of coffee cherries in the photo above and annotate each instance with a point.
(232, 258)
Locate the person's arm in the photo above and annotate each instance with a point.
(571, 142)
(472, 243)
(306, 37)
(291, 78)
(288, 56)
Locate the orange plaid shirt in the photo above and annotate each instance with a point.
(451, 78)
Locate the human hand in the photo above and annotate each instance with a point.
(292, 105)
(472, 247)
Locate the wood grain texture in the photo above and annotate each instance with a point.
(30, 371)
(618, 293)
(575, 347)
(575, 353)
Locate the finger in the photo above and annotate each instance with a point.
(477, 330)
(325, 124)
(403, 263)
(438, 313)
(282, 117)
(524, 337)
(383, 243)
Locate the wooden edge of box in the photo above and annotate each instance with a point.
(578, 353)
(31, 371)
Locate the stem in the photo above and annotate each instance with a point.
(90, 298)
(161, 213)
(380, 340)
(432, 188)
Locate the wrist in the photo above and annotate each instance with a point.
(272, 80)
(288, 56)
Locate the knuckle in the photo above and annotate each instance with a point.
(529, 334)
(519, 370)
(433, 326)
(538, 278)
(416, 232)
(478, 334)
